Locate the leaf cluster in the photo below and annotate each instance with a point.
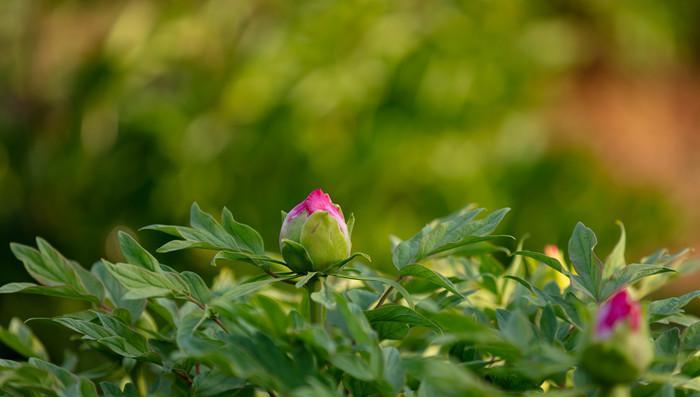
(461, 316)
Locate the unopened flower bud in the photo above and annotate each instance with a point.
(317, 225)
(619, 349)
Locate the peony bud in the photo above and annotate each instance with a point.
(619, 349)
(317, 225)
(619, 309)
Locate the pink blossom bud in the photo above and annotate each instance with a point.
(618, 349)
(620, 308)
(318, 225)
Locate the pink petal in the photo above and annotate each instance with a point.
(618, 308)
(318, 201)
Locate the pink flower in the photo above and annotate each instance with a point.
(618, 309)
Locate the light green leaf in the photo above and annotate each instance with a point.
(628, 275)
(205, 232)
(51, 269)
(196, 286)
(670, 306)
(547, 260)
(58, 291)
(616, 260)
(245, 235)
(447, 233)
(142, 283)
(21, 339)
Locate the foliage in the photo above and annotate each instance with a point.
(458, 320)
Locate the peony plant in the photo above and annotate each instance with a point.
(460, 314)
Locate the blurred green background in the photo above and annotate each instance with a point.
(115, 115)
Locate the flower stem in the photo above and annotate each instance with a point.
(317, 312)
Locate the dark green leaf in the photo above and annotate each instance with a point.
(587, 265)
(135, 254)
(113, 390)
(392, 321)
(691, 338)
(296, 256)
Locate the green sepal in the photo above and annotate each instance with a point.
(324, 240)
(296, 257)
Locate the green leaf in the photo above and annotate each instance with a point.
(113, 390)
(261, 261)
(135, 254)
(360, 330)
(547, 260)
(142, 283)
(332, 268)
(423, 272)
(205, 232)
(51, 269)
(387, 320)
(196, 286)
(116, 293)
(216, 384)
(325, 296)
(587, 265)
(548, 323)
(350, 224)
(245, 235)
(72, 385)
(305, 279)
(111, 333)
(516, 329)
(57, 291)
(353, 364)
(228, 295)
(296, 256)
(691, 338)
(443, 378)
(21, 339)
(628, 275)
(666, 348)
(447, 233)
(670, 306)
(616, 260)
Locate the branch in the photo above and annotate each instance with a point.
(386, 293)
(204, 308)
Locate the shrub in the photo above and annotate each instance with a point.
(455, 319)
